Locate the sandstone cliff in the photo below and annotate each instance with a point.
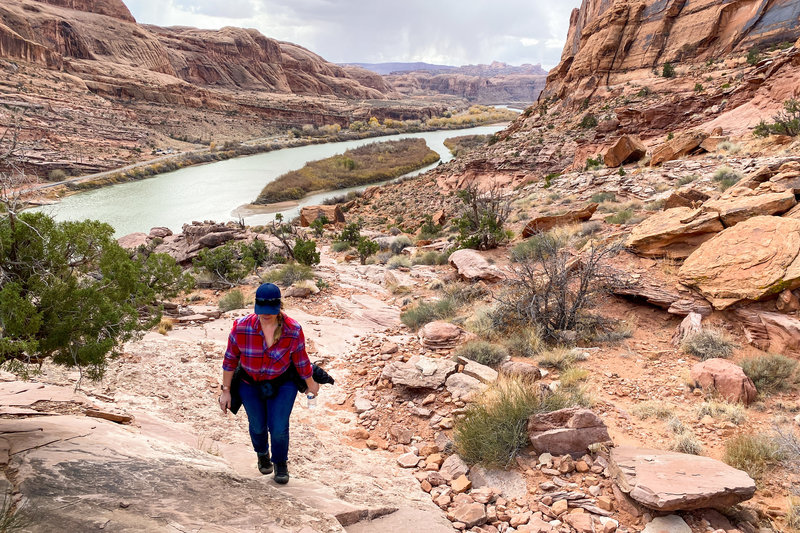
(112, 8)
(486, 84)
(609, 38)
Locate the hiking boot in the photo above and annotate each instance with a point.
(264, 464)
(281, 473)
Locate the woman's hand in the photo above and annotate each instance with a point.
(225, 400)
(313, 386)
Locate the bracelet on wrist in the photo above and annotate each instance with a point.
(225, 388)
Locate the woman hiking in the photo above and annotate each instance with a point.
(269, 350)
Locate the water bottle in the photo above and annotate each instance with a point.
(312, 400)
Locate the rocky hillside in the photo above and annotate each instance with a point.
(487, 84)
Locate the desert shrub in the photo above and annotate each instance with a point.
(524, 342)
(559, 358)
(793, 514)
(753, 56)
(232, 300)
(573, 376)
(728, 412)
(340, 246)
(427, 311)
(289, 274)
(726, 177)
(620, 217)
(709, 343)
(305, 252)
(164, 326)
(752, 453)
(652, 409)
(398, 261)
(787, 122)
(685, 180)
(256, 253)
(366, 247)
(223, 263)
(687, 442)
(772, 373)
(485, 353)
(431, 258)
(56, 175)
(594, 163)
(350, 233)
(668, 70)
(428, 230)
(590, 228)
(588, 121)
(399, 244)
(698, 87)
(318, 226)
(482, 218)
(676, 425)
(552, 291)
(494, 429)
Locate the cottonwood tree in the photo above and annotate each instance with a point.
(68, 291)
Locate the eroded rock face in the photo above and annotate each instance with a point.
(311, 213)
(627, 149)
(726, 378)
(682, 145)
(676, 232)
(739, 207)
(111, 8)
(566, 431)
(774, 332)
(750, 261)
(671, 481)
(607, 39)
(545, 223)
(440, 335)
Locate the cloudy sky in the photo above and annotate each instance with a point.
(452, 32)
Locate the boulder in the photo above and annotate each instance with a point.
(453, 468)
(470, 514)
(788, 176)
(685, 198)
(667, 524)
(788, 302)
(478, 371)
(682, 145)
(420, 372)
(628, 149)
(471, 266)
(214, 239)
(726, 379)
(527, 372)
(439, 335)
(566, 431)
(311, 213)
(545, 223)
(793, 212)
(752, 260)
(676, 232)
(710, 144)
(133, 240)
(464, 387)
(607, 126)
(160, 232)
(733, 210)
(672, 481)
(301, 289)
(510, 483)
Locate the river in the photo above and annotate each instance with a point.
(216, 191)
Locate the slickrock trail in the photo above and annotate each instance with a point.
(184, 465)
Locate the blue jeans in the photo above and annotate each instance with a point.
(270, 415)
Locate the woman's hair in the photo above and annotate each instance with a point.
(279, 329)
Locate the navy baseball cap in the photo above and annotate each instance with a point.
(268, 299)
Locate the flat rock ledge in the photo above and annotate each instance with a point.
(671, 481)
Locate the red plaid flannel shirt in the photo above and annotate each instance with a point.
(246, 344)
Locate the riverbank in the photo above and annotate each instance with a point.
(169, 163)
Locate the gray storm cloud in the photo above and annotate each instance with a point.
(446, 31)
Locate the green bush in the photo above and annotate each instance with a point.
(772, 373)
(709, 343)
(668, 71)
(366, 247)
(753, 56)
(752, 453)
(622, 216)
(594, 163)
(494, 429)
(483, 352)
(255, 254)
(588, 121)
(305, 252)
(318, 225)
(787, 122)
(425, 311)
(601, 197)
(233, 300)
(482, 219)
(351, 233)
(289, 274)
(223, 263)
